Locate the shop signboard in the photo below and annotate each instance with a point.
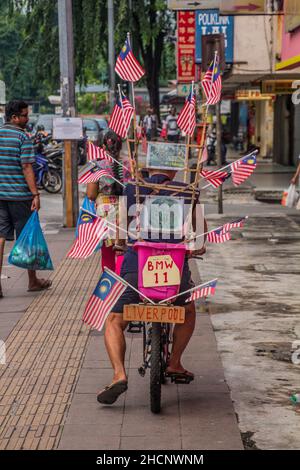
(186, 46)
(211, 22)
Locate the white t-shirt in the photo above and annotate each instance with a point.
(171, 124)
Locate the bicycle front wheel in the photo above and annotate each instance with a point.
(156, 368)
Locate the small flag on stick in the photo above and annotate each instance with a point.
(242, 169)
(127, 67)
(235, 224)
(91, 231)
(204, 291)
(121, 117)
(215, 178)
(187, 118)
(94, 174)
(105, 295)
(218, 236)
(212, 83)
(97, 153)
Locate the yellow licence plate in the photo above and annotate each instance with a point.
(154, 313)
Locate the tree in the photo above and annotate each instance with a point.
(150, 21)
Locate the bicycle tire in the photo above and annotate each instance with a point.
(156, 366)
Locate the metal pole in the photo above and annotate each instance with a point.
(66, 59)
(219, 155)
(111, 52)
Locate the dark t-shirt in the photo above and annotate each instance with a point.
(130, 259)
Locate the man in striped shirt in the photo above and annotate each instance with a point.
(18, 191)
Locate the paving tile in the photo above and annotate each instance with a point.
(88, 437)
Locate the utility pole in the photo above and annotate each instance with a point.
(219, 155)
(111, 52)
(66, 59)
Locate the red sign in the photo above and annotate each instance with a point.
(186, 29)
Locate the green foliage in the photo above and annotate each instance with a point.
(92, 103)
(34, 50)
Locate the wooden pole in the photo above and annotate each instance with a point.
(127, 140)
(68, 186)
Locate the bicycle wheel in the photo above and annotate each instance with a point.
(155, 371)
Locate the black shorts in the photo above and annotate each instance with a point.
(13, 217)
(129, 296)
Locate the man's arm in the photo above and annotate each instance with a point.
(92, 191)
(30, 180)
(295, 178)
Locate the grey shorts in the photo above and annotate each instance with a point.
(13, 217)
(129, 296)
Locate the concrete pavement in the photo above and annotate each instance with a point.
(55, 366)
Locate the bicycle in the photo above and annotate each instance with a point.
(157, 339)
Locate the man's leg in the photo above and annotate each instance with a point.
(2, 243)
(116, 345)
(35, 284)
(181, 337)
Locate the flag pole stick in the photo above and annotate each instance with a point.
(187, 152)
(136, 159)
(186, 291)
(113, 274)
(127, 141)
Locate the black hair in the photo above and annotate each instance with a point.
(112, 142)
(14, 108)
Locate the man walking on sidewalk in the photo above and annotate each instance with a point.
(18, 191)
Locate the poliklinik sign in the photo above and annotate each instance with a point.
(210, 22)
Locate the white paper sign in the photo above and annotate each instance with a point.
(67, 128)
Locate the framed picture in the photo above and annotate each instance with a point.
(163, 215)
(166, 156)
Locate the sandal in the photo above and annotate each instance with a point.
(44, 284)
(110, 394)
(184, 375)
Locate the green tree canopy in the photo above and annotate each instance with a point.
(150, 22)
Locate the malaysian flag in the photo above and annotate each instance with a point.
(127, 67)
(187, 118)
(203, 291)
(97, 153)
(121, 117)
(235, 224)
(215, 178)
(218, 236)
(212, 83)
(106, 294)
(242, 169)
(94, 174)
(91, 231)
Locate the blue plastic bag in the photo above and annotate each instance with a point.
(30, 250)
(91, 207)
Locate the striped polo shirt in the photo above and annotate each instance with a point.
(15, 149)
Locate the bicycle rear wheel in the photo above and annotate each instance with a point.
(156, 368)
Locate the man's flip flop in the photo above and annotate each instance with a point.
(110, 394)
(45, 285)
(180, 377)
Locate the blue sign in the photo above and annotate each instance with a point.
(210, 22)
